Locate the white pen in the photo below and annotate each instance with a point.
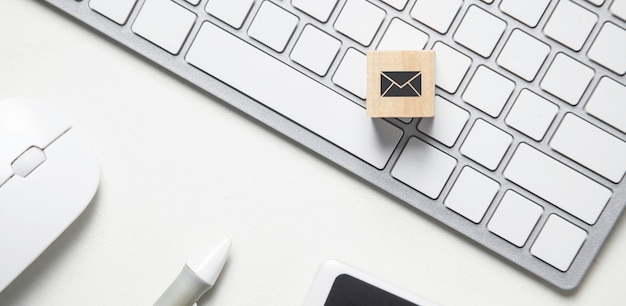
(197, 277)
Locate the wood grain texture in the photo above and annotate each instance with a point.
(396, 98)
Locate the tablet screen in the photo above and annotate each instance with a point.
(350, 291)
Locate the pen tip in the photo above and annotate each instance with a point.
(208, 263)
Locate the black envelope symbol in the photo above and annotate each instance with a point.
(401, 83)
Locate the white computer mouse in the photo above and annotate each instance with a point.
(48, 176)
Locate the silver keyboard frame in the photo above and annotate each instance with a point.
(597, 233)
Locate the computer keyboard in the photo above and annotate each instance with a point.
(526, 153)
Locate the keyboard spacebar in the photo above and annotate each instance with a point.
(293, 94)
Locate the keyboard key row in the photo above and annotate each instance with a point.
(361, 20)
(591, 146)
(607, 49)
(273, 26)
(515, 218)
(345, 123)
(558, 241)
(563, 73)
(566, 78)
(421, 165)
(557, 183)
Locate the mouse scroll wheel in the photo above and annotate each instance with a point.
(28, 161)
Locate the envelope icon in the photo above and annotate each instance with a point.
(401, 83)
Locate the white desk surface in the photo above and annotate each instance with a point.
(180, 170)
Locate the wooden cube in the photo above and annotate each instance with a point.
(400, 84)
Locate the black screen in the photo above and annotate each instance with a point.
(350, 291)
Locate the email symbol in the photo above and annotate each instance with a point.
(401, 83)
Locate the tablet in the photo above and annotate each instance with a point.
(338, 284)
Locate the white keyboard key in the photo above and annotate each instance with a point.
(523, 55)
(232, 12)
(608, 103)
(567, 79)
(360, 20)
(447, 125)
(609, 48)
(570, 24)
(397, 4)
(527, 11)
(596, 2)
(558, 242)
(471, 194)
(479, 31)
(488, 91)
(618, 8)
(437, 14)
(424, 168)
(532, 114)
(515, 218)
(350, 75)
(294, 95)
(557, 183)
(450, 67)
(164, 23)
(591, 147)
(273, 26)
(318, 9)
(486, 144)
(402, 36)
(116, 10)
(315, 50)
